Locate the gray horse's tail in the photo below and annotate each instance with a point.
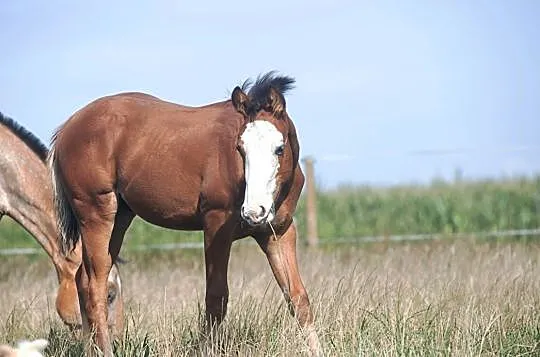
(67, 221)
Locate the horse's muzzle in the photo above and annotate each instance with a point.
(255, 216)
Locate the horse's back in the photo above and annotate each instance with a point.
(138, 118)
(136, 109)
(107, 121)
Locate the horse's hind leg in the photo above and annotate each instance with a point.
(97, 215)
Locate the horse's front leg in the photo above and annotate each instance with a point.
(217, 249)
(281, 253)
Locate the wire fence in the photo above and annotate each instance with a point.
(328, 241)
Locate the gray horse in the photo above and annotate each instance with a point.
(26, 196)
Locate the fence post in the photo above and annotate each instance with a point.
(311, 203)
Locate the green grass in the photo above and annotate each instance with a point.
(12, 235)
(466, 207)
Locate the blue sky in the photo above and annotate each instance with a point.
(379, 83)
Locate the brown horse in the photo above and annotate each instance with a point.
(26, 195)
(229, 168)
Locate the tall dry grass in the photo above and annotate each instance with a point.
(459, 298)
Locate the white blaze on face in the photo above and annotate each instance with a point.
(260, 142)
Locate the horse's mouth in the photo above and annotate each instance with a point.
(256, 223)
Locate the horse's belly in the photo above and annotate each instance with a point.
(175, 210)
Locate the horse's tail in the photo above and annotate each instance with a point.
(67, 221)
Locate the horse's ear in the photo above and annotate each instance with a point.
(276, 102)
(240, 101)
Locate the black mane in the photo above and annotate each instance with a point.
(258, 91)
(27, 137)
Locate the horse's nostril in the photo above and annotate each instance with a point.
(253, 215)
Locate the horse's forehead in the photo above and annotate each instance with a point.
(259, 131)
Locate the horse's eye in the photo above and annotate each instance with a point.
(279, 150)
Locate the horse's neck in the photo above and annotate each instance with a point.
(28, 194)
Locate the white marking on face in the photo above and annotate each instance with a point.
(261, 142)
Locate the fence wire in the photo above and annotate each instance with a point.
(323, 241)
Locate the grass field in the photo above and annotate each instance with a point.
(450, 298)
